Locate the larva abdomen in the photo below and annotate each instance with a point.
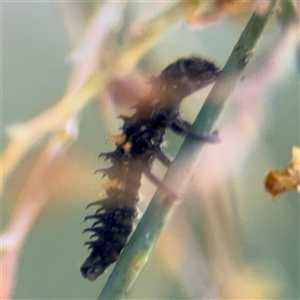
(111, 231)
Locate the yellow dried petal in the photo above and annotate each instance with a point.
(280, 181)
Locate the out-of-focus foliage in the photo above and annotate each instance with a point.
(234, 243)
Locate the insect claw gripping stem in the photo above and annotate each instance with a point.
(143, 135)
(212, 138)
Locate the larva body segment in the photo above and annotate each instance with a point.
(111, 235)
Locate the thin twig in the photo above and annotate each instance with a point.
(136, 254)
(32, 200)
(86, 85)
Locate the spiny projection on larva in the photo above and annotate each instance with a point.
(141, 142)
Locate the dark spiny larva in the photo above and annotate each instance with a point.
(138, 145)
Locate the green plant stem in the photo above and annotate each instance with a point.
(136, 253)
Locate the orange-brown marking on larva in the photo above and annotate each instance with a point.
(127, 147)
(118, 139)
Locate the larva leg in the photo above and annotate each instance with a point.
(154, 179)
(183, 127)
(163, 158)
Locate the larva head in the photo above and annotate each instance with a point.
(92, 268)
(187, 75)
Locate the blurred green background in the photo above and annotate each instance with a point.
(35, 70)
